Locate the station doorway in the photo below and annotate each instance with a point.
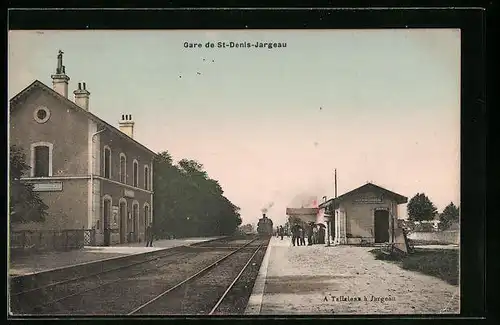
(381, 226)
(106, 222)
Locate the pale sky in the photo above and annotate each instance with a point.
(390, 104)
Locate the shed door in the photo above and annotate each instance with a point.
(381, 226)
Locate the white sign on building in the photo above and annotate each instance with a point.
(48, 187)
(369, 200)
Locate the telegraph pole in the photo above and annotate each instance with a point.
(335, 183)
(334, 212)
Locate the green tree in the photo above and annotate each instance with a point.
(449, 215)
(421, 208)
(247, 228)
(25, 204)
(188, 202)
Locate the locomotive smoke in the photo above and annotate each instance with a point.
(267, 207)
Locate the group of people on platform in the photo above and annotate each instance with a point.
(315, 234)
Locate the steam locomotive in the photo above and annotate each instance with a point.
(265, 226)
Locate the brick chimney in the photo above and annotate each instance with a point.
(127, 125)
(60, 79)
(82, 96)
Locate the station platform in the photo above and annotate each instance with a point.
(35, 263)
(317, 279)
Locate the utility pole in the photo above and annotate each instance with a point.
(327, 224)
(336, 219)
(335, 183)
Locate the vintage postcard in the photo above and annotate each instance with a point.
(234, 172)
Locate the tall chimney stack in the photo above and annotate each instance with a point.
(127, 125)
(82, 96)
(60, 79)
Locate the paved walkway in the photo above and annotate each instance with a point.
(341, 279)
(42, 262)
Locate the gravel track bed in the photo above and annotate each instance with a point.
(25, 303)
(199, 296)
(22, 283)
(123, 296)
(237, 298)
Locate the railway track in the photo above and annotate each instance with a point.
(117, 290)
(206, 291)
(47, 293)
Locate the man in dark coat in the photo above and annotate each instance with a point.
(310, 234)
(295, 235)
(280, 232)
(149, 236)
(302, 241)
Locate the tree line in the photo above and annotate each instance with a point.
(187, 202)
(421, 208)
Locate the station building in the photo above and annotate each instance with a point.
(367, 214)
(91, 174)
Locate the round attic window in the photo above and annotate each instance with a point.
(41, 114)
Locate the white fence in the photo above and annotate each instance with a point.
(436, 237)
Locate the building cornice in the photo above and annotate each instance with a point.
(122, 184)
(54, 178)
(68, 178)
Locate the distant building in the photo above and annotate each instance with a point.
(368, 213)
(90, 174)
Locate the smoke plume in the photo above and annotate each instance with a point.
(267, 207)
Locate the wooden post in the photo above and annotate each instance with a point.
(335, 183)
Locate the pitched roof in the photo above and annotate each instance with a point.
(400, 199)
(38, 84)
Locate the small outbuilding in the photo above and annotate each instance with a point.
(367, 214)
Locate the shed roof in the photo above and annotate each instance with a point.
(400, 199)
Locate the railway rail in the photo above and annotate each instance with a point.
(204, 291)
(30, 300)
(117, 290)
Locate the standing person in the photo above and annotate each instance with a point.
(315, 235)
(321, 235)
(149, 236)
(302, 237)
(310, 234)
(295, 235)
(281, 232)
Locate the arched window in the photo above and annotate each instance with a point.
(146, 178)
(41, 159)
(136, 173)
(123, 168)
(107, 162)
